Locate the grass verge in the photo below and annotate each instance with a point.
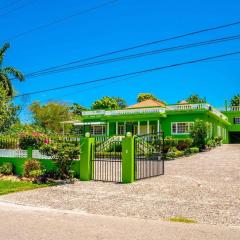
(8, 186)
(182, 220)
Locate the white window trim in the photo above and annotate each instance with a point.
(172, 133)
(236, 120)
(93, 131)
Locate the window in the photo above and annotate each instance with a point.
(121, 129)
(98, 130)
(236, 120)
(181, 127)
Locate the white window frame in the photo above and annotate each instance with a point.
(177, 133)
(121, 129)
(95, 132)
(236, 120)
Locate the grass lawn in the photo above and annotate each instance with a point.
(8, 186)
(182, 220)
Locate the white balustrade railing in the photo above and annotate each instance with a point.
(124, 111)
(197, 107)
(135, 111)
(96, 112)
(219, 114)
(178, 107)
(234, 108)
(188, 106)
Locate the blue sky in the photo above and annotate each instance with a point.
(122, 24)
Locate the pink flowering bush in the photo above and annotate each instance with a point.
(31, 139)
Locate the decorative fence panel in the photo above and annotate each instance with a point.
(107, 159)
(149, 160)
(9, 147)
(13, 153)
(36, 154)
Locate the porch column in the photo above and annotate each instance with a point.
(116, 128)
(138, 129)
(148, 127)
(158, 126)
(108, 129)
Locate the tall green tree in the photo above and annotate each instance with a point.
(50, 115)
(194, 98)
(145, 96)
(8, 111)
(235, 101)
(120, 102)
(77, 109)
(7, 72)
(109, 103)
(199, 133)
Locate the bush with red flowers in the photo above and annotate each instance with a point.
(33, 140)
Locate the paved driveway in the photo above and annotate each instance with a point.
(25, 223)
(204, 187)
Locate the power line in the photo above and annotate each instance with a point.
(61, 20)
(144, 45)
(131, 74)
(17, 8)
(131, 56)
(93, 87)
(10, 4)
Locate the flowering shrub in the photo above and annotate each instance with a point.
(33, 140)
(184, 144)
(169, 142)
(63, 154)
(31, 165)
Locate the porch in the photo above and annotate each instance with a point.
(119, 128)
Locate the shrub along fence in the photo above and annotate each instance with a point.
(11, 152)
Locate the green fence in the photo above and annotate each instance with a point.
(10, 152)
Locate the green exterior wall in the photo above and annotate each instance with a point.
(231, 115)
(220, 126)
(47, 164)
(233, 128)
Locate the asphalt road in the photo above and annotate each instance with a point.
(19, 222)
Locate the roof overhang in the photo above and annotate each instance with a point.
(88, 123)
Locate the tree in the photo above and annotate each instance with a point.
(199, 134)
(121, 102)
(194, 98)
(145, 96)
(235, 101)
(6, 72)
(50, 115)
(63, 153)
(109, 103)
(8, 111)
(77, 109)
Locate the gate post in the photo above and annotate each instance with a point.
(128, 159)
(86, 154)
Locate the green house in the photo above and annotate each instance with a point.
(154, 116)
(233, 114)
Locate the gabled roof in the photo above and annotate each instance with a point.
(148, 103)
(183, 102)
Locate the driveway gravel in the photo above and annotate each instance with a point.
(204, 187)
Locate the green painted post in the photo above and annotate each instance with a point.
(86, 155)
(128, 159)
(29, 152)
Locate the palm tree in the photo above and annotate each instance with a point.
(6, 72)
